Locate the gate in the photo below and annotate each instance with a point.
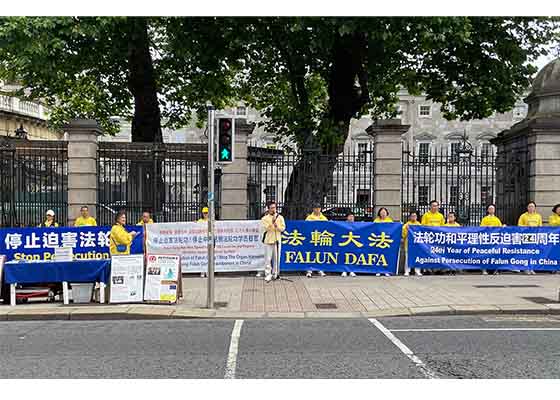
(465, 180)
(33, 179)
(348, 177)
(168, 180)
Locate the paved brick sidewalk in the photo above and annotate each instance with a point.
(329, 297)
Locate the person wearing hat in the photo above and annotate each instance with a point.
(204, 215)
(146, 218)
(50, 221)
(85, 219)
(316, 215)
(203, 220)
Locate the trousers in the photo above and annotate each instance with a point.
(272, 259)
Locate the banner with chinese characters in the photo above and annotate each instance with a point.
(239, 244)
(361, 247)
(507, 248)
(88, 242)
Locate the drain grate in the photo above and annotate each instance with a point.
(220, 304)
(540, 300)
(325, 306)
(505, 286)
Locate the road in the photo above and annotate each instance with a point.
(416, 347)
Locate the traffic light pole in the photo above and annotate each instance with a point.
(211, 215)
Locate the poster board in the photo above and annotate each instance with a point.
(163, 275)
(127, 279)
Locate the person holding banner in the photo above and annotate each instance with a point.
(350, 217)
(412, 220)
(120, 239)
(451, 220)
(273, 224)
(554, 219)
(316, 215)
(433, 217)
(383, 215)
(530, 218)
(490, 220)
(85, 219)
(50, 221)
(203, 220)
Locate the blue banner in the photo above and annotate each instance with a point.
(88, 242)
(506, 248)
(362, 247)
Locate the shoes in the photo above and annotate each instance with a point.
(275, 276)
(387, 274)
(344, 274)
(268, 278)
(203, 274)
(321, 273)
(308, 274)
(353, 275)
(496, 272)
(406, 273)
(417, 272)
(527, 272)
(377, 274)
(484, 272)
(533, 272)
(259, 274)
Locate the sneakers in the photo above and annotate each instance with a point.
(268, 278)
(353, 275)
(417, 272)
(377, 274)
(387, 274)
(321, 273)
(203, 274)
(344, 274)
(308, 274)
(259, 274)
(496, 272)
(532, 272)
(406, 273)
(484, 272)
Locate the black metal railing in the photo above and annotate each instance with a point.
(168, 180)
(465, 180)
(338, 182)
(33, 179)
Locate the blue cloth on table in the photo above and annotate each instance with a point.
(77, 271)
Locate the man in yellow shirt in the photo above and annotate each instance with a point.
(85, 219)
(530, 218)
(451, 220)
(204, 216)
(316, 215)
(490, 220)
(412, 220)
(554, 219)
(146, 219)
(273, 224)
(433, 217)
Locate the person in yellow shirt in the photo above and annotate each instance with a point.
(204, 216)
(351, 218)
(412, 220)
(490, 220)
(433, 217)
(316, 215)
(120, 238)
(85, 219)
(146, 218)
(451, 220)
(50, 220)
(383, 215)
(554, 219)
(530, 218)
(273, 225)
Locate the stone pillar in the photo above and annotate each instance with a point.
(82, 166)
(388, 158)
(234, 203)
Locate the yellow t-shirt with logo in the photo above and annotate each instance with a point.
(405, 231)
(527, 219)
(433, 219)
(202, 220)
(89, 221)
(313, 217)
(388, 219)
(454, 224)
(141, 222)
(491, 220)
(554, 220)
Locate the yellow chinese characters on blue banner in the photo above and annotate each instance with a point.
(362, 247)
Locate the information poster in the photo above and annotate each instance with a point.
(162, 278)
(127, 279)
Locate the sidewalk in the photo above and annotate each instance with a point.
(329, 297)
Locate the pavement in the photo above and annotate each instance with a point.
(429, 347)
(295, 296)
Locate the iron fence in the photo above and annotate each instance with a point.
(168, 180)
(338, 182)
(33, 179)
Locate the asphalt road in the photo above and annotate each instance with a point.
(416, 347)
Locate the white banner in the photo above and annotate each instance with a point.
(162, 278)
(127, 279)
(239, 244)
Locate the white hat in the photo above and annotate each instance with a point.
(50, 212)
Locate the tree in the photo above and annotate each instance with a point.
(311, 76)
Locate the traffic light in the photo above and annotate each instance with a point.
(226, 140)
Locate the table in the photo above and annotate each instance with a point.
(77, 271)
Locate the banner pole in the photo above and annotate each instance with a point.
(211, 215)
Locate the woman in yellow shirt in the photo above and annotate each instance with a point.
(412, 220)
(120, 239)
(383, 215)
(530, 218)
(554, 219)
(451, 219)
(490, 220)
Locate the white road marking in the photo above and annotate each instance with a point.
(472, 329)
(402, 347)
(233, 347)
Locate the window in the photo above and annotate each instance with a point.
(241, 111)
(332, 195)
(362, 151)
(485, 195)
(423, 192)
(519, 112)
(453, 195)
(425, 111)
(423, 152)
(362, 197)
(486, 151)
(454, 150)
(270, 193)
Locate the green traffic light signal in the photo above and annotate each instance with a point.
(226, 140)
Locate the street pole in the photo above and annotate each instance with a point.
(211, 217)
